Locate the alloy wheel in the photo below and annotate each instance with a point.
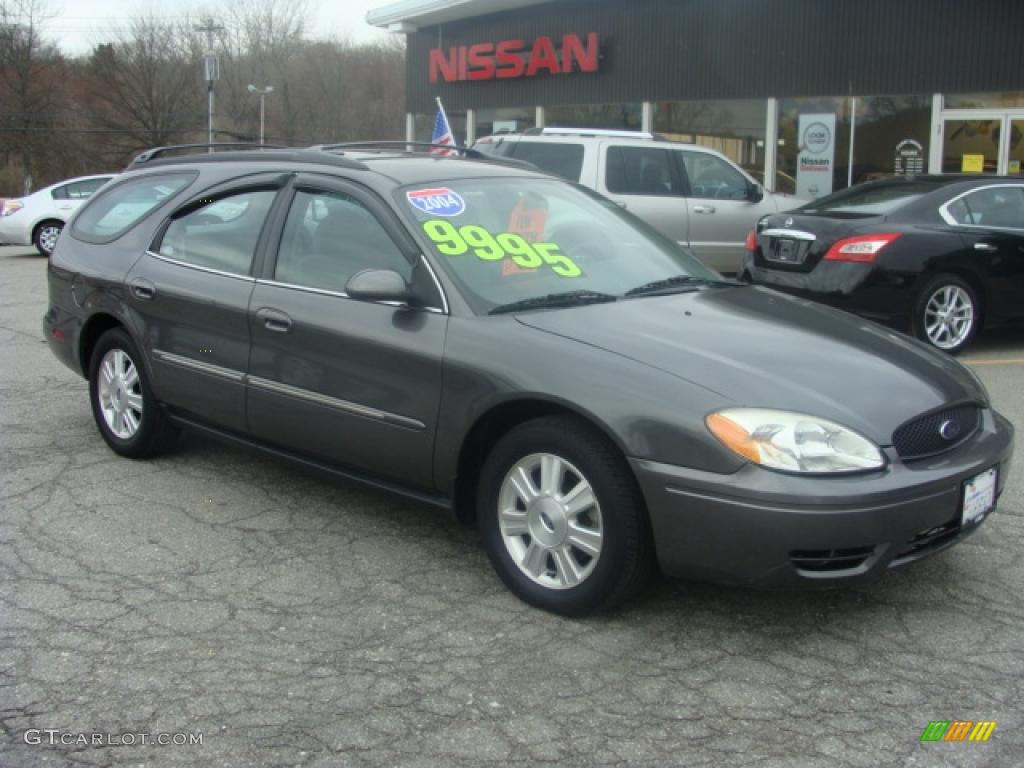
(48, 237)
(550, 521)
(948, 316)
(119, 394)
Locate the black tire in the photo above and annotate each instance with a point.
(626, 559)
(927, 299)
(41, 237)
(154, 433)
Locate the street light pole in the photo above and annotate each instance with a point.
(263, 95)
(211, 71)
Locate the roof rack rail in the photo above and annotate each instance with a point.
(155, 152)
(468, 152)
(618, 134)
(393, 143)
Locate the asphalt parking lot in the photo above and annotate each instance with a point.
(296, 622)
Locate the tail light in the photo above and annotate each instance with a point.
(751, 242)
(861, 248)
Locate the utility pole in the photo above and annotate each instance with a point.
(211, 70)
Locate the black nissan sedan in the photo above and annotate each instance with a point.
(523, 353)
(938, 256)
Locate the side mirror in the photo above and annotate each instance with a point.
(755, 193)
(377, 285)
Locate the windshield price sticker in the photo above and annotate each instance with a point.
(452, 241)
(440, 201)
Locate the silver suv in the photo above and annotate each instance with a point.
(696, 196)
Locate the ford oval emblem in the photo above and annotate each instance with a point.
(949, 430)
(788, 223)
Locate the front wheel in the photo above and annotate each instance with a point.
(127, 414)
(562, 519)
(45, 236)
(947, 313)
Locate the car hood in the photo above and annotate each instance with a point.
(756, 347)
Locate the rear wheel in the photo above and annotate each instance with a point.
(127, 414)
(562, 519)
(947, 314)
(45, 236)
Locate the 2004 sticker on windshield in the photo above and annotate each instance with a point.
(452, 241)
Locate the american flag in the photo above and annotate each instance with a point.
(442, 134)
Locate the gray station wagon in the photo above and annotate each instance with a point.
(522, 352)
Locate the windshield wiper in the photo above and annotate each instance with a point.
(564, 299)
(671, 284)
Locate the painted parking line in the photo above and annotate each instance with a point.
(995, 361)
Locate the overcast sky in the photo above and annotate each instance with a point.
(79, 24)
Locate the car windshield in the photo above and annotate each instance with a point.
(511, 240)
(876, 199)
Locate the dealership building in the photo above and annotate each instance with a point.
(806, 94)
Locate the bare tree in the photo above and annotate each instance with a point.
(32, 90)
(145, 86)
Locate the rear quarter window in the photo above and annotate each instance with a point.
(113, 212)
(562, 158)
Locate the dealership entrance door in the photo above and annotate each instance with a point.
(982, 141)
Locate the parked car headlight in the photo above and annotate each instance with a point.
(793, 442)
(11, 206)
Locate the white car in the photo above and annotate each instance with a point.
(39, 218)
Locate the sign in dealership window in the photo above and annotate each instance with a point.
(816, 155)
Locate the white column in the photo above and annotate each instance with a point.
(539, 117)
(935, 144)
(853, 133)
(410, 127)
(771, 142)
(647, 117)
(470, 127)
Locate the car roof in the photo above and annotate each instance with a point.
(398, 167)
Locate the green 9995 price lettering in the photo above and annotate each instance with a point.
(452, 241)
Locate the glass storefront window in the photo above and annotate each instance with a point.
(511, 120)
(891, 136)
(623, 117)
(734, 127)
(1009, 99)
(424, 126)
(789, 147)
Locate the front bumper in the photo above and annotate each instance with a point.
(12, 232)
(763, 528)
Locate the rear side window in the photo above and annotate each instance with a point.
(1001, 207)
(221, 235)
(640, 171)
(121, 207)
(561, 159)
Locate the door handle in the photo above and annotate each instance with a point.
(274, 320)
(703, 209)
(986, 247)
(142, 288)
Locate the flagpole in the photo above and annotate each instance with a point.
(440, 106)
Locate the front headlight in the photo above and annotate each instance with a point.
(793, 442)
(11, 206)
